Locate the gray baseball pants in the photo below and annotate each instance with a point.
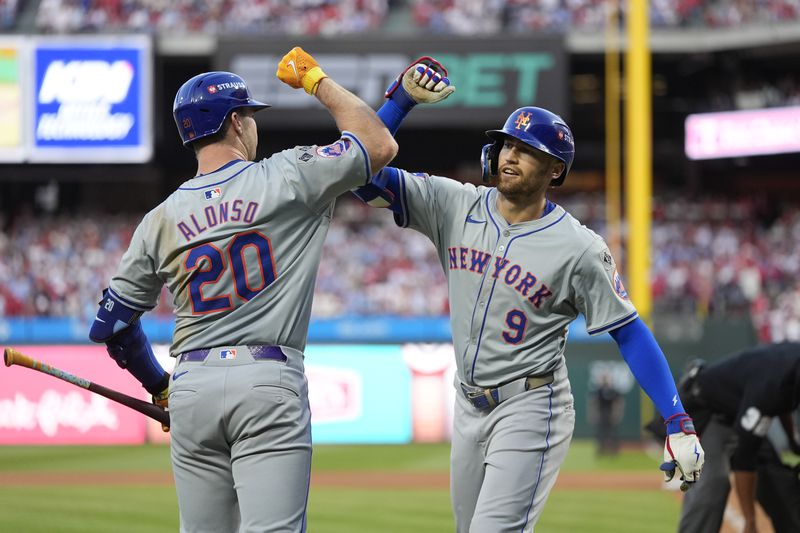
(241, 443)
(505, 461)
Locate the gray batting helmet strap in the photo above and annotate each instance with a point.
(538, 128)
(203, 103)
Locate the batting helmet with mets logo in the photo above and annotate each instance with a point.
(203, 103)
(538, 128)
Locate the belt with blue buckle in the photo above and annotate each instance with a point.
(484, 399)
(259, 352)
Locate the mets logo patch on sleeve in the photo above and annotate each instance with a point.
(619, 288)
(336, 149)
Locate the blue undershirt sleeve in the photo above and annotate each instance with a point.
(644, 357)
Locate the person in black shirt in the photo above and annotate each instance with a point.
(606, 407)
(733, 402)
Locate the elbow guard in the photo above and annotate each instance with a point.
(119, 327)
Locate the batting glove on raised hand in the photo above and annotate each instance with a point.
(682, 451)
(424, 81)
(298, 69)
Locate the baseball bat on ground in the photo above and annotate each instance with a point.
(13, 357)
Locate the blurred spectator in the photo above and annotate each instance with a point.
(297, 17)
(8, 13)
(605, 410)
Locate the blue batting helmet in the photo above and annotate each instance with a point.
(203, 103)
(538, 128)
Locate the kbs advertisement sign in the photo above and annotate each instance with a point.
(12, 65)
(493, 77)
(36, 408)
(91, 100)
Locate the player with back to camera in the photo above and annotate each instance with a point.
(519, 270)
(238, 246)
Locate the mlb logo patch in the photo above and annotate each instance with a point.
(216, 192)
(228, 354)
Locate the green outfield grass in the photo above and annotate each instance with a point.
(143, 508)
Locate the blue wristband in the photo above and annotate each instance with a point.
(680, 422)
(394, 111)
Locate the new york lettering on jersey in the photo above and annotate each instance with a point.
(499, 268)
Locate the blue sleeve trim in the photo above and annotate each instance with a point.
(364, 150)
(216, 182)
(132, 305)
(613, 325)
(401, 218)
(644, 357)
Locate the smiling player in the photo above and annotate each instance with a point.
(519, 270)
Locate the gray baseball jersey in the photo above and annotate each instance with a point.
(239, 248)
(514, 289)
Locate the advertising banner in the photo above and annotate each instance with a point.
(353, 330)
(39, 409)
(359, 394)
(12, 75)
(91, 100)
(493, 76)
(743, 133)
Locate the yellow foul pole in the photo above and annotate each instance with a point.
(613, 165)
(638, 159)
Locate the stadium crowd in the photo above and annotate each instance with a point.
(486, 17)
(329, 17)
(296, 17)
(710, 257)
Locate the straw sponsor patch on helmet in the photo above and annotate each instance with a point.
(619, 288)
(213, 89)
(336, 149)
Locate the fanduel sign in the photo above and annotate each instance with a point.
(493, 77)
(93, 101)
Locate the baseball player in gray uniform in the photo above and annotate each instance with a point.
(519, 269)
(238, 246)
